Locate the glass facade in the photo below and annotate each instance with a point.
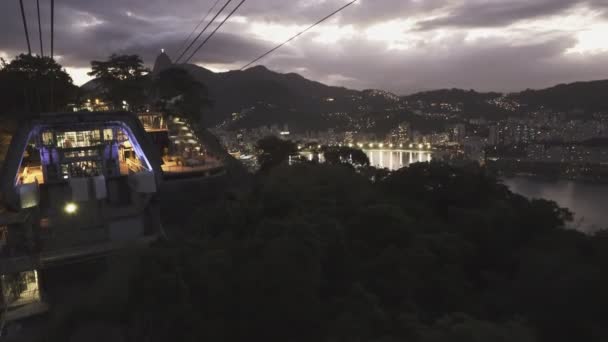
(81, 154)
(89, 168)
(78, 139)
(86, 152)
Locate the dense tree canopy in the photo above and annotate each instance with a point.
(121, 78)
(317, 252)
(345, 155)
(34, 84)
(274, 151)
(176, 92)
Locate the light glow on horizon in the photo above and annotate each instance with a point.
(397, 43)
(79, 75)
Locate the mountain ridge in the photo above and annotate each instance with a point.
(259, 96)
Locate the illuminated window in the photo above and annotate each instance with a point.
(108, 134)
(81, 169)
(65, 171)
(47, 138)
(121, 136)
(20, 288)
(78, 139)
(81, 154)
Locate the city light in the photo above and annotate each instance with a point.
(391, 145)
(371, 145)
(420, 146)
(381, 145)
(70, 208)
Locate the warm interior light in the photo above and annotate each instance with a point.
(71, 208)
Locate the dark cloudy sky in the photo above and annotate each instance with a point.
(397, 45)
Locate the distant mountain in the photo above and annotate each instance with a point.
(453, 96)
(468, 103)
(257, 96)
(584, 96)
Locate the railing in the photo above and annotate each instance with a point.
(206, 166)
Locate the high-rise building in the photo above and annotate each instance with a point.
(493, 136)
(459, 133)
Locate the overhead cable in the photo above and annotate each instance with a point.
(299, 34)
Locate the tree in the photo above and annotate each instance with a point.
(274, 151)
(176, 92)
(121, 78)
(319, 252)
(341, 155)
(26, 83)
(461, 328)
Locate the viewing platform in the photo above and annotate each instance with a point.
(183, 154)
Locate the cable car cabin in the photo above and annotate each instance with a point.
(74, 186)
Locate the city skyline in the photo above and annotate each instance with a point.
(399, 46)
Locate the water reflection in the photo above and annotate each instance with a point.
(396, 159)
(386, 159)
(586, 201)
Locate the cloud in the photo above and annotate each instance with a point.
(398, 45)
(496, 13)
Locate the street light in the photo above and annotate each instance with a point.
(70, 208)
